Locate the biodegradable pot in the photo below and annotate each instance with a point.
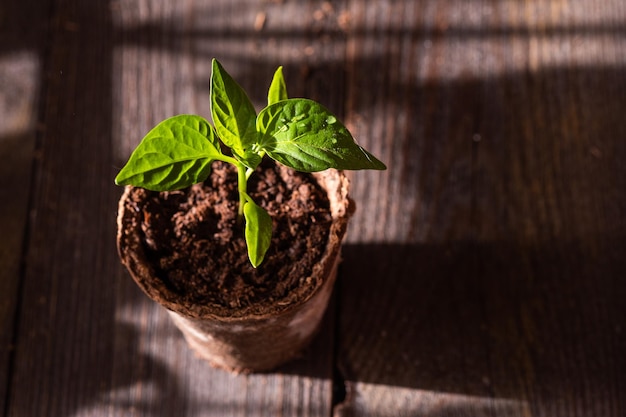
(250, 342)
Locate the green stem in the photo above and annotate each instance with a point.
(249, 171)
(225, 158)
(242, 182)
(242, 187)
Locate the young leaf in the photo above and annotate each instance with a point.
(258, 231)
(233, 113)
(305, 136)
(175, 154)
(278, 88)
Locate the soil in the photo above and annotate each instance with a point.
(194, 239)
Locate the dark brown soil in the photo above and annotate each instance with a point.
(198, 246)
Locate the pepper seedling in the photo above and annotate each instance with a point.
(296, 132)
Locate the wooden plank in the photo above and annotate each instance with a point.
(499, 220)
(89, 342)
(484, 275)
(20, 71)
(62, 357)
(159, 48)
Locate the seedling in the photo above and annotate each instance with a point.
(299, 133)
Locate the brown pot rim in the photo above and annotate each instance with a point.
(334, 182)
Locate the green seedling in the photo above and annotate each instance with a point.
(299, 133)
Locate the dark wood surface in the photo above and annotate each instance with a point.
(484, 271)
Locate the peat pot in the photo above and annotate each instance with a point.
(242, 341)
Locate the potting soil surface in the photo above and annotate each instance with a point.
(195, 239)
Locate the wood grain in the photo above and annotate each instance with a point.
(89, 343)
(483, 273)
(21, 49)
(65, 332)
(17, 98)
(493, 272)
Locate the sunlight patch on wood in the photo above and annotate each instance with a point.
(375, 400)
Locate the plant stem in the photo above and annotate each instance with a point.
(250, 171)
(242, 187)
(242, 183)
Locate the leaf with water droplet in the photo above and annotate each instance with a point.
(306, 136)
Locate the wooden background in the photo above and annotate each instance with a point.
(484, 273)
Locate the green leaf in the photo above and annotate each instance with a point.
(278, 88)
(305, 136)
(258, 231)
(233, 113)
(175, 154)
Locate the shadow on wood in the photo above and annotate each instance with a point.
(512, 181)
(489, 320)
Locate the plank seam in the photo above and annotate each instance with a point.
(35, 168)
